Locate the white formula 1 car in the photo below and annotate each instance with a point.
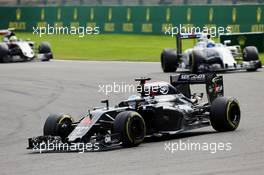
(13, 49)
(208, 56)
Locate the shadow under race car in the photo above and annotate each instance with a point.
(17, 50)
(162, 108)
(208, 56)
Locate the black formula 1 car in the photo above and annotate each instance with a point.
(208, 56)
(161, 108)
(13, 49)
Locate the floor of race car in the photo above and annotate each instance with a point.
(30, 91)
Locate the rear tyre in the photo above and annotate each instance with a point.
(225, 114)
(3, 53)
(195, 60)
(250, 53)
(169, 60)
(44, 48)
(58, 125)
(131, 127)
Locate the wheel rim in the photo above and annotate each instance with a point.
(63, 127)
(233, 114)
(137, 129)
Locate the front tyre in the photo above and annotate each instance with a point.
(169, 60)
(131, 127)
(4, 53)
(195, 60)
(58, 125)
(225, 114)
(45, 49)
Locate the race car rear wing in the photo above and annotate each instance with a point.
(214, 84)
(181, 36)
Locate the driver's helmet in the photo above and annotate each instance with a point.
(133, 97)
(159, 88)
(13, 39)
(210, 43)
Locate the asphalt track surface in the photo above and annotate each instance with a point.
(30, 91)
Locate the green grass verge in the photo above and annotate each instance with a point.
(110, 47)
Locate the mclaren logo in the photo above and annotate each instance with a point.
(215, 79)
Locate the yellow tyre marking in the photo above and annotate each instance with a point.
(127, 130)
(227, 113)
(127, 125)
(64, 116)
